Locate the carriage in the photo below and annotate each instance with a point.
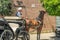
(7, 33)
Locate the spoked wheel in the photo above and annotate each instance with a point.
(23, 37)
(7, 35)
(26, 37)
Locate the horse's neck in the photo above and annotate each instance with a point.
(40, 17)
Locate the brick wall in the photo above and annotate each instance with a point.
(33, 12)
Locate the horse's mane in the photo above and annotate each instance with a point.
(41, 15)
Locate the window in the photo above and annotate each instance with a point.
(58, 21)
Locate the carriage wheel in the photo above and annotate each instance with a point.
(7, 35)
(26, 37)
(23, 37)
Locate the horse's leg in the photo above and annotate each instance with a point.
(39, 29)
(38, 34)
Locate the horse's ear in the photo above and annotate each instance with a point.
(42, 11)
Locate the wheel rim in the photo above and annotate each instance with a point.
(7, 35)
(28, 37)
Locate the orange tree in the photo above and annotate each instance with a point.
(52, 7)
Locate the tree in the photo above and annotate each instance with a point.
(5, 7)
(52, 7)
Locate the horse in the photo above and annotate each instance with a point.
(35, 23)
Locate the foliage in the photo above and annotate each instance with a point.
(5, 7)
(52, 7)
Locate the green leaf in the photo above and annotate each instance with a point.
(4, 7)
(52, 7)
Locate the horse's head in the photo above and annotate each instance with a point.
(41, 15)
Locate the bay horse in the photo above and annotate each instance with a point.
(36, 23)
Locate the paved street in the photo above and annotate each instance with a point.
(34, 36)
(43, 36)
